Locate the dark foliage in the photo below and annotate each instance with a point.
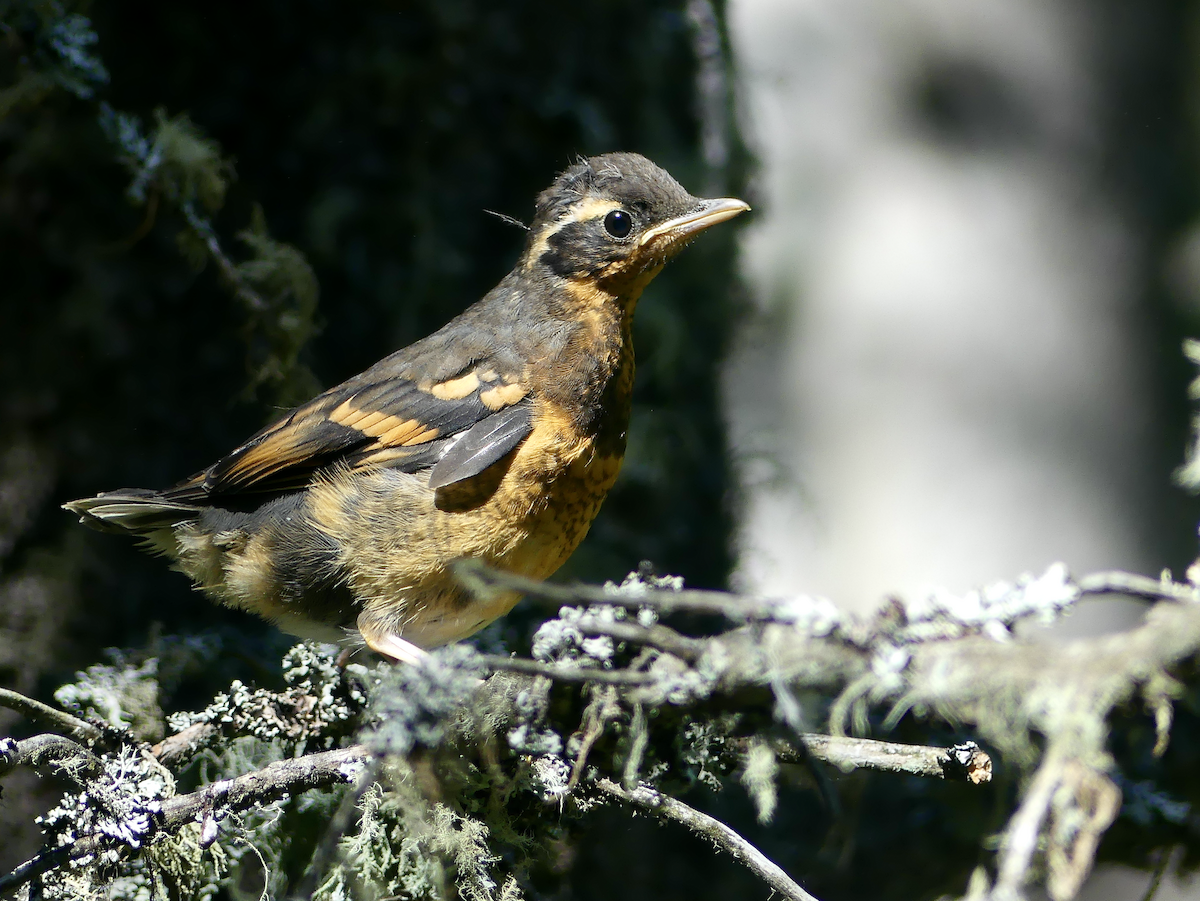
(372, 141)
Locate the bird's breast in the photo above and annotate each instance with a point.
(558, 480)
(396, 537)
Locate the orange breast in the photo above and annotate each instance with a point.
(554, 490)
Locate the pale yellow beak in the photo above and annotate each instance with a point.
(710, 214)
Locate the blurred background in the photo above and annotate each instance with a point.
(970, 271)
(944, 349)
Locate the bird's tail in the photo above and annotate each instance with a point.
(132, 511)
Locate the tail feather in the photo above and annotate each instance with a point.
(135, 511)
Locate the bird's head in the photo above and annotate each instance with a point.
(613, 221)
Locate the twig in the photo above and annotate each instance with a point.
(1021, 837)
(43, 863)
(339, 825)
(204, 230)
(639, 740)
(175, 749)
(49, 754)
(483, 580)
(599, 713)
(657, 636)
(533, 668)
(1117, 582)
(965, 762)
(712, 829)
(1156, 877)
(59, 720)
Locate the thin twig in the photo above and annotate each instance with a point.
(576, 675)
(1117, 582)
(714, 830)
(58, 720)
(1025, 826)
(339, 825)
(965, 762)
(43, 863)
(204, 230)
(484, 580)
(177, 748)
(657, 636)
(599, 713)
(1156, 877)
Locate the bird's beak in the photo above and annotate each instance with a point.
(710, 213)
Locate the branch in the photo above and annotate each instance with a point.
(228, 271)
(49, 755)
(272, 782)
(965, 762)
(485, 581)
(661, 637)
(1117, 582)
(175, 749)
(954, 659)
(56, 719)
(562, 674)
(44, 863)
(714, 830)
(213, 802)
(1067, 807)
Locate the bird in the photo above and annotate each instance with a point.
(496, 438)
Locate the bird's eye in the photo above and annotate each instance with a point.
(618, 223)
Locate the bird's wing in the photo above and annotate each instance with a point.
(387, 417)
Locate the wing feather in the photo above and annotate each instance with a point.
(380, 419)
(483, 444)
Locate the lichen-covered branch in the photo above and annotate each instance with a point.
(49, 755)
(484, 581)
(276, 285)
(284, 777)
(965, 762)
(1133, 585)
(566, 674)
(35, 867)
(603, 678)
(213, 803)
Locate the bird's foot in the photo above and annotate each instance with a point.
(396, 648)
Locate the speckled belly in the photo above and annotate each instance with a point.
(553, 533)
(396, 538)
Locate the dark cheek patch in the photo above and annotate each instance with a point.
(577, 250)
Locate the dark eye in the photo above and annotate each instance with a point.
(618, 223)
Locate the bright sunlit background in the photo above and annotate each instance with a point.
(950, 374)
(961, 360)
